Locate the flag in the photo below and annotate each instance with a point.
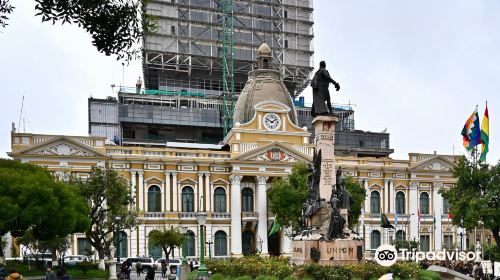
(471, 131)
(276, 226)
(485, 134)
(450, 216)
(419, 216)
(384, 222)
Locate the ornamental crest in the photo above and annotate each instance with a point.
(275, 155)
(63, 149)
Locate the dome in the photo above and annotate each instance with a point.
(264, 84)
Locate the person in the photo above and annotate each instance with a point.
(150, 275)
(138, 267)
(14, 275)
(320, 84)
(50, 275)
(62, 275)
(163, 268)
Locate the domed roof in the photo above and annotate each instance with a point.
(264, 84)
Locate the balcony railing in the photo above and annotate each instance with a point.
(221, 215)
(249, 215)
(187, 215)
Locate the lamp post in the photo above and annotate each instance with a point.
(184, 265)
(202, 270)
(461, 234)
(209, 243)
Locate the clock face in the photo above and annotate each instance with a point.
(272, 121)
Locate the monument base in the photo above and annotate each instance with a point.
(335, 252)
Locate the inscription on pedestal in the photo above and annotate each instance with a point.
(324, 129)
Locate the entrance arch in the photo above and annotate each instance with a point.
(248, 242)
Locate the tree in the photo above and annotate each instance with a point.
(34, 201)
(116, 26)
(110, 201)
(358, 194)
(167, 239)
(475, 198)
(288, 195)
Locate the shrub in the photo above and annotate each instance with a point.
(244, 278)
(218, 276)
(265, 277)
(85, 266)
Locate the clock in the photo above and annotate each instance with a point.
(272, 121)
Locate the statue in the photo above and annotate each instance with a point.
(313, 202)
(337, 222)
(320, 83)
(343, 194)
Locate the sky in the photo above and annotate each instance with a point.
(414, 68)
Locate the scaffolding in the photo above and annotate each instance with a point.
(227, 65)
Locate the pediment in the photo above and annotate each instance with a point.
(436, 163)
(61, 146)
(220, 181)
(188, 181)
(273, 152)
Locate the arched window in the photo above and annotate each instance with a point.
(154, 250)
(188, 246)
(187, 199)
(265, 63)
(154, 199)
(446, 206)
(220, 243)
(247, 200)
(219, 200)
(400, 203)
(375, 202)
(400, 235)
(121, 248)
(424, 203)
(375, 239)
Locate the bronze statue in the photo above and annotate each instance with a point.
(343, 194)
(313, 202)
(337, 222)
(321, 94)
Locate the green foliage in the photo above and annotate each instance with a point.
(474, 199)
(491, 252)
(33, 200)
(85, 267)
(167, 239)
(251, 266)
(358, 194)
(218, 276)
(109, 198)
(264, 277)
(428, 275)
(288, 195)
(405, 244)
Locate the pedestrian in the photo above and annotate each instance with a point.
(50, 275)
(138, 267)
(163, 268)
(62, 275)
(14, 275)
(151, 273)
(191, 265)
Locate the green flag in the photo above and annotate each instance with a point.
(276, 226)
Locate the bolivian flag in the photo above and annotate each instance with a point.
(276, 226)
(471, 131)
(485, 134)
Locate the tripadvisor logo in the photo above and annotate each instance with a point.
(387, 255)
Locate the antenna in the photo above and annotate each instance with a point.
(20, 115)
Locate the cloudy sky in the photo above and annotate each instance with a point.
(415, 68)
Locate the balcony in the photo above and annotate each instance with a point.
(154, 215)
(187, 215)
(221, 215)
(249, 216)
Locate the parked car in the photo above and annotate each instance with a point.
(174, 264)
(74, 259)
(145, 262)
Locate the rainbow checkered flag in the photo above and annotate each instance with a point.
(471, 131)
(485, 134)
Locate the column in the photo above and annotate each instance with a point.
(413, 196)
(385, 209)
(208, 193)
(438, 205)
(367, 200)
(132, 184)
(236, 215)
(163, 202)
(392, 198)
(168, 206)
(141, 190)
(175, 192)
(201, 197)
(262, 213)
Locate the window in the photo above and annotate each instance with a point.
(424, 243)
(187, 199)
(265, 63)
(172, 30)
(375, 202)
(375, 239)
(83, 246)
(154, 199)
(400, 203)
(220, 243)
(219, 200)
(447, 241)
(446, 206)
(424, 203)
(286, 44)
(247, 200)
(154, 250)
(400, 235)
(285, 14)
(188, 246)
(122, 248)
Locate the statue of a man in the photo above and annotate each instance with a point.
(321, 94)
(343, 194)
(337, 222)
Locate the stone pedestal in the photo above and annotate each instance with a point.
(112, 270)
(324, 138)
(301, 251)
(341, 252)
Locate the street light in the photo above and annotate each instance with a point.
(209, 243)
(202, 270)
(184, 265)
(461, 234)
